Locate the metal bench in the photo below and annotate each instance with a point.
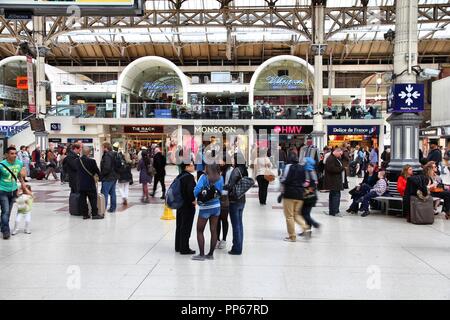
(394, 196)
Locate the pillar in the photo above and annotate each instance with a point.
(405, 126)
(251, 141)
(318, 49)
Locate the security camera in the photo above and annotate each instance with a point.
(430, 73)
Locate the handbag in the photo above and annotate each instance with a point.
(269, 176)
(239, 189)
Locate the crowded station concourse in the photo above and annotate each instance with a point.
(190, 158)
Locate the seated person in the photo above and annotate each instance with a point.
(437, 188)
(379, 189)
(369, 181)
(403, 178)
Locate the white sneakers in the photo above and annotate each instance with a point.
(16, 230)
(221, 244)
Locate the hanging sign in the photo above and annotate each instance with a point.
(406, 97)
(31, 100)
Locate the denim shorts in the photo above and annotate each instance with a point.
(206, 214)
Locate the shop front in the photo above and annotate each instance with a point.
(288, 136)
(362, 135)
(432, 135)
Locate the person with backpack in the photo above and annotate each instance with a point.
(144, 178)
(159, 163)
(237, 202)
(109, 175)
(184, 200)
(208, 191)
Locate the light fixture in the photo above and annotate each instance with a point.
(379, 80)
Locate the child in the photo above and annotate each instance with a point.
(208, 191)
(24, 202)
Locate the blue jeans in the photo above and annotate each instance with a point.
(236, 210)
(6, 202)
(109, 188)
(334, 200)
(281, 166)
(366, 200)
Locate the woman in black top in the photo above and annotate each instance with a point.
(185, 215)
(369, 181)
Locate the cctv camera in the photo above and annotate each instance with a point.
(430, 73)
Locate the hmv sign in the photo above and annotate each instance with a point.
(286, 129)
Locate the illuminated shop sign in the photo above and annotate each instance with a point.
(143, 129)
(284, 82)
(286, 129)
(158, 86)
(353, 130)
(429, 132)
(215, 129)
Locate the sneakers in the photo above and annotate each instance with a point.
(221, 244)
(365, 214)
(287, 239)
(307, 234)
(15, 231)
(27, 231)
(198, 258)
(209, 257)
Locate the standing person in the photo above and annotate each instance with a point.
(237, 205)
(60, 161)
(226, 170)
(109, 176)
(293, 182)
(386, 157)
(159, 163)
(282, 160)
(435, 155)
(11, 172)
(346, 163)
(144, 178)
(261, 167)
(334, 179)
(373, 157)
(50, 160)
(200, 162)
(24, 203)
(36, 157)
(25, 158)
(88, 185)
(208, 191)
(308, 150)
(125, 178)
(185, 214)
(71, 166)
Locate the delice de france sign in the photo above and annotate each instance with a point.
(406, 97)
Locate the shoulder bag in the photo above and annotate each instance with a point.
(13, 176)
(239, 189)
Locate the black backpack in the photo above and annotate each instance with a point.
(119, 162)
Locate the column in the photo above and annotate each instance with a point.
(180, 135)
(250, 142)
(318, 49)
(405, 126)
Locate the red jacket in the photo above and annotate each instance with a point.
(401, 185)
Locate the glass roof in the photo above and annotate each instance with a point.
(217, 34)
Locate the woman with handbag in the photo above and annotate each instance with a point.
(436, 187)
(262, 172)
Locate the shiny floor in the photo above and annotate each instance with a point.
(130, 255)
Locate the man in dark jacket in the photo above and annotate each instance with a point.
(293, 181)
(108, 175)
(413, 184)
(334, 180)
(435, 155)
(159, 163)
(71, 166)
(88, 185)
(186, 214)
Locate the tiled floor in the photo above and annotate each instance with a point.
(130, 255)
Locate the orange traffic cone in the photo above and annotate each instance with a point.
(168, 214)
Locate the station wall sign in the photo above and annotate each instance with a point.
(217, 129)
(353, 130)
(83, 140)
(55, 140)
(55, 126)
(406, 97)
(143, 129)
(163, 113)
(429, 132)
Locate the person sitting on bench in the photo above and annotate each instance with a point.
(380, 188)
(407, 172)
(369, 181)
(437, 188)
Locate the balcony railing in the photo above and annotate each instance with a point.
(165, 110)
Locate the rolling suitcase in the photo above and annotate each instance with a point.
(422, 211)
(40, 175)
(74, 204)
(101, 204)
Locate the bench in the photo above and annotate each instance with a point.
(394, 196)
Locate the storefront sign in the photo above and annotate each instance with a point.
(406, 97)
(286, 129)
(83, 140)
(55, 140)
(215, 129)
(55, 126)
(31, 101)
(429, 132)
(158, 86)
(353, 130)
(284, 82)
(143, 129)
(22, 82)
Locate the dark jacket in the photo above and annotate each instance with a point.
(435, 155)
(237, 174)
(86, 180)
(107, 167)
(413, 184)
(125, 172)
(71, 167)
(372, 181)
(187, 186)
(333, 174)
(293, 184)
(282, 155)
(159, 163)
